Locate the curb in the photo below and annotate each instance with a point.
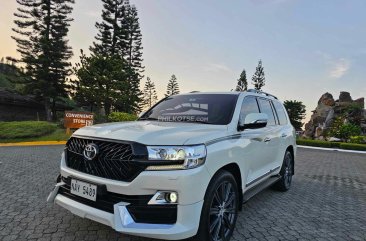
(34, 143)
(331, 149)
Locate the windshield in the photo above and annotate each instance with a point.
(216, 109)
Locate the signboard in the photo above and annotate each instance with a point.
(75, 120)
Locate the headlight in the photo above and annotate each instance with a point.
(176, 157)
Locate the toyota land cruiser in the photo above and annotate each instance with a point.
(183, 169)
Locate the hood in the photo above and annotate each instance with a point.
(155, 133)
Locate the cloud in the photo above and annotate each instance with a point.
(336, 67)
(212, 67)
(339, 68)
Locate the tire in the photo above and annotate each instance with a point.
(220, 209)
(286, 173)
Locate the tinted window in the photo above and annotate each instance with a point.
(203, 108)
(249, 106)
(280, 113)
(266, 108)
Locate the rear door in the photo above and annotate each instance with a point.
(285, 130)
(272, 137)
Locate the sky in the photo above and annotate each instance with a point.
(307, 47)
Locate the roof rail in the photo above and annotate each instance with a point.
(195, 91)
(261, 92)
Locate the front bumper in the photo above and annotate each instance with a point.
(121, 220)
(189, 184)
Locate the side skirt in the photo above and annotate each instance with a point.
(260, 187)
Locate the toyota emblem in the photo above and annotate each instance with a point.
(90, 151)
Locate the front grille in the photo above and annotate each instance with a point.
(140, 211)
(114, 159)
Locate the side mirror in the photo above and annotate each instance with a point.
(253, 121)
(141, 114)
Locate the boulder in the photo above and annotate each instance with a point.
(361, 102)
(345, 97)
(334, 139)
(329, 109)
(326, 99)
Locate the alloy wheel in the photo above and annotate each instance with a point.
(223, 212)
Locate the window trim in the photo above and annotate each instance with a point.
(247, 97)
(284, 111)
(270, 103)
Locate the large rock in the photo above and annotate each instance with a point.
(326, 99)
(345, 97)
(361, 102)
(328, 109)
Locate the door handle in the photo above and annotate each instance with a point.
(267, 139)
(283, 135)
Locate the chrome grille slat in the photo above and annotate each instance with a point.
(114, 160)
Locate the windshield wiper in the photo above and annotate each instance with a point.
(199, 122)
(148, 118)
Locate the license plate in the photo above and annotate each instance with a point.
(83, 189)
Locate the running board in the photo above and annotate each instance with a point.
(259, 187)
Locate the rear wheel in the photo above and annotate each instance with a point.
(220, 209)
(286, 173)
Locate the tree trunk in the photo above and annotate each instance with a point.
(53, 109)
(107, 108)
(47, 109)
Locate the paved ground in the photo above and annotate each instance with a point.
(327, 201)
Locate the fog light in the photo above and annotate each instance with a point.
(171, 197)
(164, 198)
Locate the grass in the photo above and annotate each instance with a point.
(327, 144)
(24, 131)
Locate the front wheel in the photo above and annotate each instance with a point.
(286, 173)
(220, 209)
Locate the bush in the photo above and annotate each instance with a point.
(326, 144)
(358, 139)
(344, 131)
(121, 116)
(24, 129)
(352, 146)
(317, 143)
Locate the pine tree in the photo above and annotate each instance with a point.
(108, 39)
(242, 84)
(173, 87)
(150, 96)
(42, 28)
(258, 79)
(132, 40)
(100, 81)
(119, 36)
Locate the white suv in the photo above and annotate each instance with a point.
(183, 169)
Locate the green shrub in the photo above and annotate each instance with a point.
(121, 116)
(358, 139)
(317, 143)
(23, 129)
(344, 131)
(326, 144)
(352, 146)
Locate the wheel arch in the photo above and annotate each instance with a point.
(234, 169)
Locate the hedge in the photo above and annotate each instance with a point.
(25, 129)
(121, 116)
(352, 146)
(327, 144)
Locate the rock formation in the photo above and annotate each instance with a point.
(328, 109)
